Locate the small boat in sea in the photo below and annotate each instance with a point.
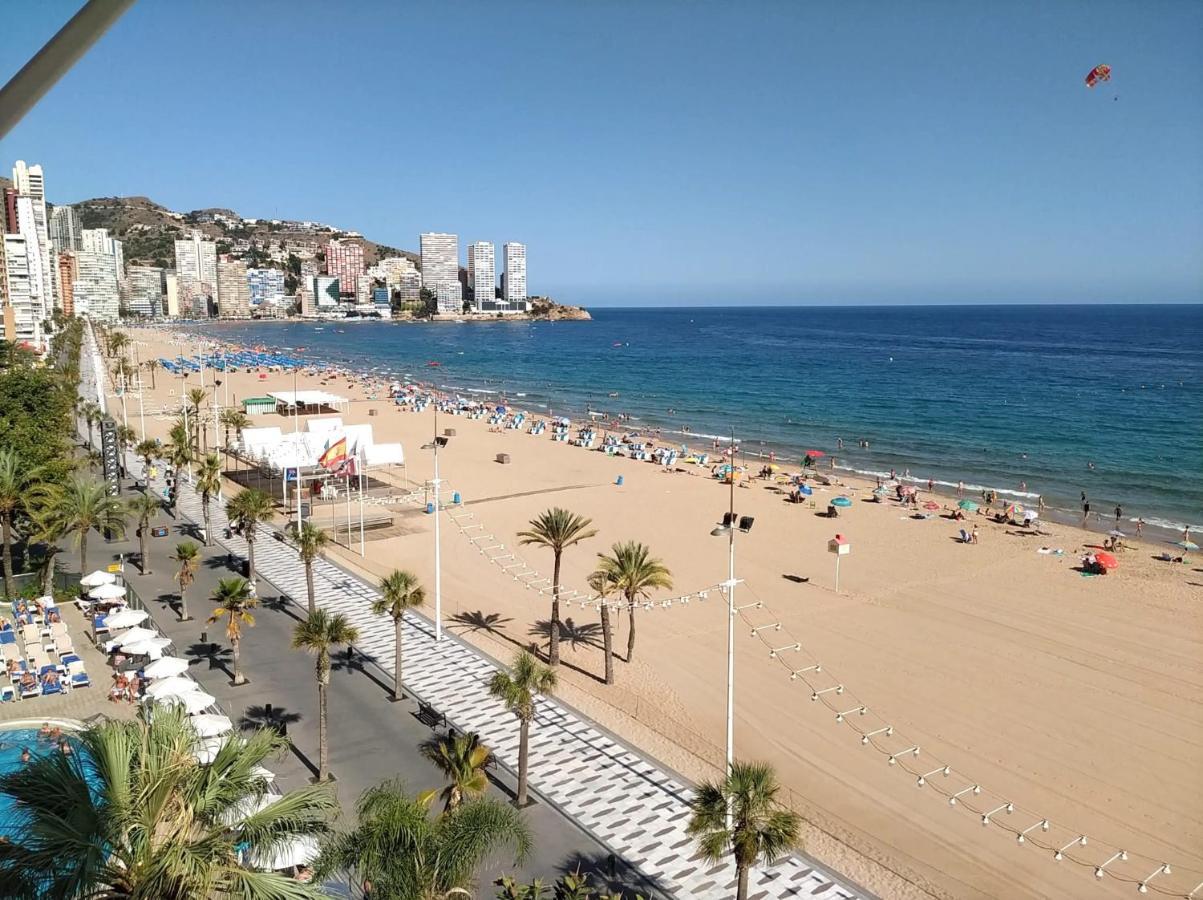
(433, 364)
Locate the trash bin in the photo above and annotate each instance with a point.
(455, 498)
(429, 509)
(618, 481)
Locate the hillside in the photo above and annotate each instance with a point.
(149, 230)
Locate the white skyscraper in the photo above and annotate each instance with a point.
(482, 276)
(17, 290)
(440, 270)
(64, 229)
(196, 267)
(515, 276)
(96, 293)
(37, 266)
(33, 222)
(144, 290)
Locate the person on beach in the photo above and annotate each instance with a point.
(931, 485)
(1119, 513)
(26, 756)
(1140, 526)
(1085, 511)
(973, 536)
(960, 489)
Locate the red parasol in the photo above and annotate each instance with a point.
(815, 454)
(931, 504)
(1106, 560)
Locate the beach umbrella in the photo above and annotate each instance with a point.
(931, 504)
(107, 592)
(1115, 532)
(1186, 545)
(166, 667)
(97, 578)
(805, 489)
(147, 647)
(298, 851)
(1031, 515)
(248, 806)
(210, 725)
(1106, 560)
(907, 489)
(880, 492)
(193, 702)
(132, 636)
(175, 686)
(841, 501)
(126, 618)
(968, 506)
(206, 749)
(815, 454)
(266, 774)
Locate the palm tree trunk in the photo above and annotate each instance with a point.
(208, 530)
(250, 554)
(48, 577)
(553, 649)
(741, 876)
(631, 630)
(309, 585)
(83, 551)
(397, 625)
(144, 557)
(8, 554)
(183, 605)
(607, 642)
(323, 748)
(234, 642)
(152, 379)
(523, 738)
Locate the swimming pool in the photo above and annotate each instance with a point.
(13, 741)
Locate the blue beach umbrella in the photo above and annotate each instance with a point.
(841, 501)
(805, 489)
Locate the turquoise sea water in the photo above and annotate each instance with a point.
(995, 396)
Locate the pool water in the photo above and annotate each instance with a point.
(12, 742)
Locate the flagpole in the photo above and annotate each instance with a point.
(362, 545)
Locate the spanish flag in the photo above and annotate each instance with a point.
(334, 454)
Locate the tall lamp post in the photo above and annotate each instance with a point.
(438, 561)
(729, 525)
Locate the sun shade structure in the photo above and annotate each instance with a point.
(107, 592)
(97, 578)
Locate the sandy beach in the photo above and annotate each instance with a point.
(1078, 698)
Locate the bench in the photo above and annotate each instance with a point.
(428, 715)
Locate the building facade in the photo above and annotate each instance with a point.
(266, 285)
(144, 290)
(440, 270)
(233, 289)
(67, 267)
(514, 284)
(196, 267)
(19, 311)
(64, 229)
(482, 275)
(344, 261)
(171, 294)
(96, 293)
(325, 290)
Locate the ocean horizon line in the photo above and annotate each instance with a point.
(918, 305)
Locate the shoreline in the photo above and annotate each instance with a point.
(1156, 529)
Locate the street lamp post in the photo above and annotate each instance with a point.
(438, 560)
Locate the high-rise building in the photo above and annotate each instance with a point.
(482, 276)
(64, 229)
(37, 267)
(30, 185)
(266, 285)
(144, 290)
(233, 290)
(196, 266)
(96, 292)
(98, 240)
(10, 211)
(20, 311)
(409, 286)
(440, 270)
(171, 294)
(67, 267)
(344, 261)
(514, 283)
(325, 292)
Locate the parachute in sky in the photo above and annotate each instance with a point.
(1098, 74)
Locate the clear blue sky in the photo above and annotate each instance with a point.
(668, 152)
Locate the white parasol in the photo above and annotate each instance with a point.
(131, 636)
(193, 702)
(107, 592)
(211, 725)
(176, 686)
(97, 578)
(166, 667)
(125, 618)
(297, 851)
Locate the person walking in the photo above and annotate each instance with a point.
(1085, 510)
(1119, 514)
(1140, 526)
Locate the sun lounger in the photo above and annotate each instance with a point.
(966, 537)
(63, 645)
(77, 675)
(8, 638)
(32, 691)
(8, 693)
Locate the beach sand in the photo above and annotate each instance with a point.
(1077, 698)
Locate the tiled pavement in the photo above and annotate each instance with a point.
(633, 806)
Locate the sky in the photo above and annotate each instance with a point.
(655, 152)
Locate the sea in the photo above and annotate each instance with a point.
(1026, 400)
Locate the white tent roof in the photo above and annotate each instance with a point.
(384, 455)
(307, 398)
(329, 423)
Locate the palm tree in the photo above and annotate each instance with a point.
(246, 511)
(317, 635)
(129, 814)
(85, 504)
(14, 482)
(462, 759)
(233, 418)
(208, 482)
(148, 451)
(518, 691)
(144, 508)
(633, 572)
(91, 416)
(235, 602)
(48, 527)
(556, 529)
(399, 591)
(403, 852)
(309, 540)
(196, 396)
(741, 816)
(152, 366)
(118, 341)
(601, 586)
(187, 554)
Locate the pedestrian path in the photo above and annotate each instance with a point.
(630, 804)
